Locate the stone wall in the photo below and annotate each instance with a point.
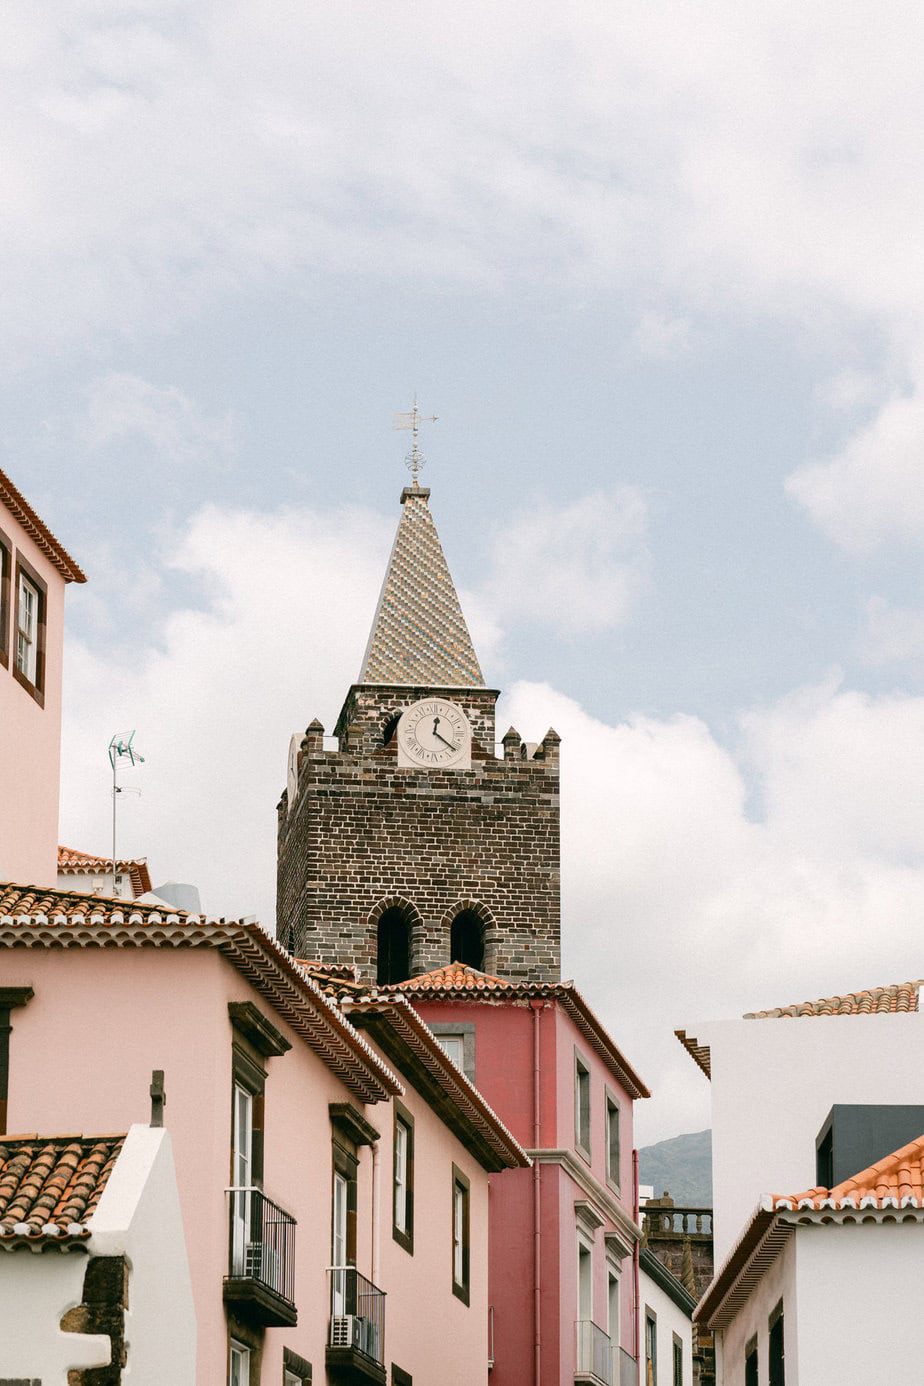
(364, 834)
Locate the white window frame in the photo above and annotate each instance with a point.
(613, 1295)
(402, 1187)
(454, 1046)
(27, 632)
(582, 1086)
(585, 1291)
(239, 1359)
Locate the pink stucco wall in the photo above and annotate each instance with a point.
(504, 1063)
(30, 735)
(82, 1052)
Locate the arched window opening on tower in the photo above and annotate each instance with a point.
(466, 940)
(394, 947)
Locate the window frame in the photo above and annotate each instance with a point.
(465, 1031)
(651, 1339)
(613, 1105)
(6, 581)
(25, 571)
(584, 1252)
(295, 1369)
(404, 1236)
(399, 1377)
(245, 1352)
(582, 1083)
(676, 1360)
(776, 1368)
(613, 1277)
(751, 1362)
(461, 1185)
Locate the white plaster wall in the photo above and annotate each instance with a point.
(778, 1282)
(859, 1304)
(139, 1215)
(773, 1084)
(671, 1320)
(36, 1288)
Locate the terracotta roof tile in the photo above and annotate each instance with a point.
(902, 996)
(50, 1186)
(37, 916)
(51, 547)
(895, 1178)
(71, 861)
(457, 981)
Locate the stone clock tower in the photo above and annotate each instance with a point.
(416, 843)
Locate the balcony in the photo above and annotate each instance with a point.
(594, 1355)
(356, 1346)
(261, 1273)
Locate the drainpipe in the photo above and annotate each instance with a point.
(375, 1212)
(537, 1234)
(635, 1255)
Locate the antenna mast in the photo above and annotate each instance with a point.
(120, 747)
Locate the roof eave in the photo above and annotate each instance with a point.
(36, 528)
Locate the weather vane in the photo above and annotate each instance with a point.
(411, 420)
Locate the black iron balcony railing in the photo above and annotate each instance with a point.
(357, 1316)
(594, 1354)
(261, 1267)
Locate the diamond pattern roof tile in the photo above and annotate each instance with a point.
(419, 636)
(50, 1186)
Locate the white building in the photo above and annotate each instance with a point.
(93, 1267)
(823, 1287)
(665, 1311)
(775, 1075)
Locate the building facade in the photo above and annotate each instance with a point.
(34, 571)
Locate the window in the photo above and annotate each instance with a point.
(458, 1040)
(295, 1370)
(777, 1364)
(466, 940)
(750, 1363)
(393, 947)
(678, 1361)
(239, 1372)
(6, 574)
(651, 1348)
(243, 1178)
(29, 627)
(403, 1181)
(400, 1378)
(612, 1306)
(581, 1105)
(612, 1141)
(585, 1286)
(460, 1235)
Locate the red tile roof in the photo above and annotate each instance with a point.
(50, 1186)
(894, 1184)
(73, 862)
(36, 528)
(459, 982)
(901, 996)
(36, 916)
(896, 1180)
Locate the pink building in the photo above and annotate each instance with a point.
(333, 1171)
(563, 1282)
(34, 570)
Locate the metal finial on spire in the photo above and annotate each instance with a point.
(411, 420)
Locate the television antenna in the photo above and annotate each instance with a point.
(121, 750)
(410, 421)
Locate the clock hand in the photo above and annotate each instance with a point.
(443, 739)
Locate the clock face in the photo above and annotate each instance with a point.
(434, 734)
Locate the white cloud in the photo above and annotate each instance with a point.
(892, 634)
(576, 568)
(766, 161)
(679, 902)
(659, 337)
(873, 490)
(120, 406)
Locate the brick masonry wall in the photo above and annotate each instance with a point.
(364, 833)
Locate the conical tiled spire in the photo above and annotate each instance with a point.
(419, 636)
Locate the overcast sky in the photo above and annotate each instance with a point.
(658, 268)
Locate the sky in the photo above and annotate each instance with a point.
(657, 268)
